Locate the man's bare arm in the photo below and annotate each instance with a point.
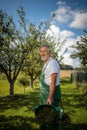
(53, 78)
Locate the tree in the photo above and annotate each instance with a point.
(33, 66)
(33, 63)
(24, 82)
(81, 50)
(13, 49)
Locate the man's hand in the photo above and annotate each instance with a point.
(50, 101)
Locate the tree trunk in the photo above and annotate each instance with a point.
(31, 82)
(24, 88)
(11, 88)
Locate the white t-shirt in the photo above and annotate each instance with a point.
(49, 68)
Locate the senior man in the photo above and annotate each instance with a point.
(49, 82)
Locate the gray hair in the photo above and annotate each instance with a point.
(45, 45)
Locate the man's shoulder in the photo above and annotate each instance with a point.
(53, 61)
(53, 65)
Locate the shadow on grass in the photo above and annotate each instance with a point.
(75, 101)
(16, 123)
(18, 102)
(31, 99)
(71, 126)
(71, 96)
(24, 123)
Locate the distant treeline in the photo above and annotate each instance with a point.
(66, 67)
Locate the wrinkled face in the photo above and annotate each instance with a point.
(44, 53)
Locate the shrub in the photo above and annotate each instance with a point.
(24, 81)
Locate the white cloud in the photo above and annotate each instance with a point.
(79, 20)
(56, 33)
(67, 60)
(53, 31)
(67, 34)
(60, 3)
(73, 18)
(62, 14)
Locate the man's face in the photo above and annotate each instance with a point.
(44, 53)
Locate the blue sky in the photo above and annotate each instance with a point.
(70, 18)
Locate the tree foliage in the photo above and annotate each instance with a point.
(32, 66)
(13, 49)
(81, 50)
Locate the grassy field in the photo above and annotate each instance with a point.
(66, 73)
(17, 112)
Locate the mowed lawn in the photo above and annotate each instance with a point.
(17, 112)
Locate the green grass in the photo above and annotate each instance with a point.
(17, 112)
(4, 88)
